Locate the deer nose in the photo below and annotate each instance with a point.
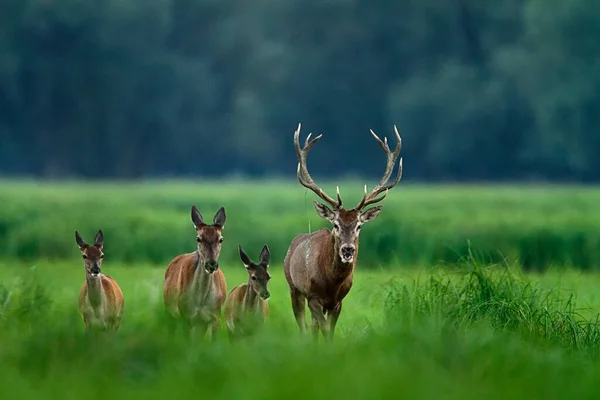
(95, 270)
(212, 266)
(348, 249)
(265, 295)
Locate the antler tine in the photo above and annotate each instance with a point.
(302, 172)
(389, 168)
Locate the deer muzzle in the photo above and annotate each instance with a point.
(211, 266)
(347, 253)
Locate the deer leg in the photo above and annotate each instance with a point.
(298, 306)
(315, 328)
(197, 329)
(332, 316)
(316, 310)
(215, 326)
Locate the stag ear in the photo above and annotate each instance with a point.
(220, 217)
(265, 255)
(197, 217)
(370, 214)
(324, 211)
(99, 239)
(244, 257)
(80, 242)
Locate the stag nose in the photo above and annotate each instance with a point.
(212, 266)
(95, 270)
(265, 295)
(347, 252)
(348, 249)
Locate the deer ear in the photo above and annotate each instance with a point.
(324, 211)
(99, 239)
(220, 217)
(370, 214)
(80, 242)
(197, 217)
(265, 255)
(244, 257)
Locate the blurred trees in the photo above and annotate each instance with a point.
(479, 89)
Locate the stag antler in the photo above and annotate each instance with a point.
(371, 198)
(303, 175)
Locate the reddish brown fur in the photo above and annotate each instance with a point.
(249, 300)
(190, 291)
(101, 301)
(319, 266)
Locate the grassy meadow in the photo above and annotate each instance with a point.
(460, 293)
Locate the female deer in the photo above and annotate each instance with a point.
(247, 303)
(195, 288)
(101, 300)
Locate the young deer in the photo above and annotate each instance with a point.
(195, 287)
(101, 300)
(248, 301)
(319, 266)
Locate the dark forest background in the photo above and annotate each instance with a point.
(480, 89)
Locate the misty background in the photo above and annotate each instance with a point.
(479, 89)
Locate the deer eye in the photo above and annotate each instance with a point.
(101, 255)
(336, 225)
(358, 227)
(268, 277)
(198, 240)
(220, 240)
(84, 257)
(253, 278)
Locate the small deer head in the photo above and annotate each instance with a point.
(347, 223)
(92, 254)
(258, 274)
(209, 238)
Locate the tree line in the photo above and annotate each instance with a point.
(479, 89)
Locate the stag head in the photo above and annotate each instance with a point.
(347, 223)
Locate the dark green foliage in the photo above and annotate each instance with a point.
(479, 89)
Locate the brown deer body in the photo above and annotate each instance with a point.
(101, 301)
(246, 304)
(319, 266)
(195, 287)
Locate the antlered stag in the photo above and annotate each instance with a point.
(319, 266)
(246, 305)
(195, 287)
(101, 300)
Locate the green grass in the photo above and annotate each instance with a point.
(421, 321)
(466, 332)
(537, 227)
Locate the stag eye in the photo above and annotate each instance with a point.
(220, 240)
(336, 226)
(101, 255)
(268, 277)
(253, 278)
(84, 257)
(358, 227)
(198, 239)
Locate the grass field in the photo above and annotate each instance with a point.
(411, 327)
(537, 227)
